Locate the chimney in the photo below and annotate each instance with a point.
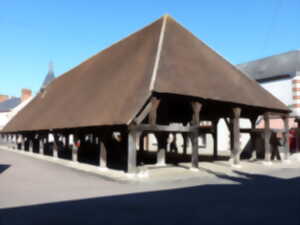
(26, 93)
(3, 98)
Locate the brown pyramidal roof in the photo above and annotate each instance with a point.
(111, 87)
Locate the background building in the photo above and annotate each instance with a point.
(277, 74)
(10, 106)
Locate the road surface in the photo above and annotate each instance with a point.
(38, 192)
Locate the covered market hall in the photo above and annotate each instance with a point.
(160, 80)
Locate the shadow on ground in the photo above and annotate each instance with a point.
(3, 167)
(253, 199)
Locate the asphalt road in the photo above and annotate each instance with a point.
(38, 192)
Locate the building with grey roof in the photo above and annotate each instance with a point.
(275, 73)
(9, 104)
(274, 67)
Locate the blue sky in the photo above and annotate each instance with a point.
(69, 31)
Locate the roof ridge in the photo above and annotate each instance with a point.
(158, 53)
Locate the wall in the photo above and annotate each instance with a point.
(3, 119)
(282, 89)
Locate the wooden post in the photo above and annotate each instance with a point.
(195, 157)
(229, 124)
(67, 138)
(185, 142)
(41, 146)
(147, 144)
(236, 136)
(22, 143)
(215, 137)
(267, 136)
(133, 137)
(142, 143)
(196, 106)
(297, 135)
(75, 147)
(161, 149)
(103, 155)
(14, 141)
(231, 133)
(31, 144)
(285, 119)
(153, 112)
(253, 138)
(55, 145)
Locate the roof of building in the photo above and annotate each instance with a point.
(9, 104)
(111, 87)
(277, 66)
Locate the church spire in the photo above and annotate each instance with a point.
(50, 75)
(50, 67)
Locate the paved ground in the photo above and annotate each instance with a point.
(34, 191)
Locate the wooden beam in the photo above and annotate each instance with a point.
(267, 136)
(144, 113)
(153, 112)
(166, 128)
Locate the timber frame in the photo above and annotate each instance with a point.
(153, 119)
